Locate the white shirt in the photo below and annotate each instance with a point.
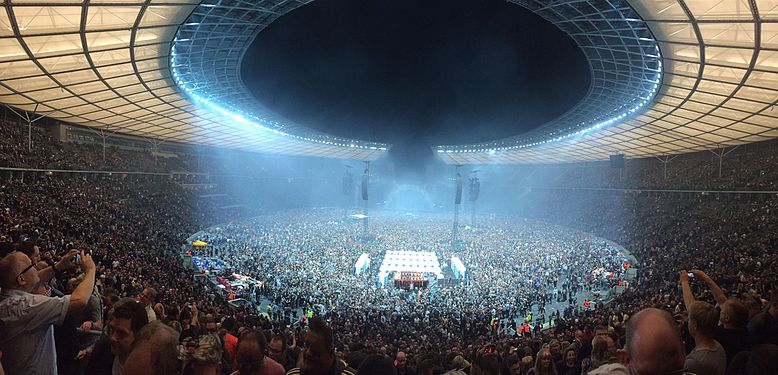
(151, 314)
(117, 368)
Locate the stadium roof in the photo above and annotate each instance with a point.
(668, 76)
(718, 82)
(108, 64)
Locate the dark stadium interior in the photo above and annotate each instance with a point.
(413, 75)
(439, 220)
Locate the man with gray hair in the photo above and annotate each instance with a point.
(27, 329)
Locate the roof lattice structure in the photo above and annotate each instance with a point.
(668, 76)
(719, 83)
(106, 64)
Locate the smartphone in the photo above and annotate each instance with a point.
(691, 275)
(77, 259)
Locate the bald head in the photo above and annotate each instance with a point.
(154, 351)
(10, 266)
(653, 343)
(400, 359)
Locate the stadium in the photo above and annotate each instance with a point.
(345, 187)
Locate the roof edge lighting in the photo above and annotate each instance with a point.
(641, 74)
(248, 119)
(205, 69)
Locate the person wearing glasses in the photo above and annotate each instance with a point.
(27, 329)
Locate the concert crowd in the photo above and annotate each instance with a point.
(93, 283)
(306, 258)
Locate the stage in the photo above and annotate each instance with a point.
(409, 268)
(411, 280)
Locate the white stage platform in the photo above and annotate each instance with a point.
(409, 261)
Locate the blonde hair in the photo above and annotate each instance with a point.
(539, 360)
(704, 317)
(600, 349)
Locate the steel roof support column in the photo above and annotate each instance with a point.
(29, 119)
(102, 133)
(365, 201)
(199, 150)
(665, 161)
(104, 137)
(154, 148)
(473, 195)
(721, 153)
(457, 203)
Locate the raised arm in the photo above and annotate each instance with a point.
(688, 297)
(65, 263)
(718, 294)
(80, 296)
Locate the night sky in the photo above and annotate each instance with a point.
(416, 73)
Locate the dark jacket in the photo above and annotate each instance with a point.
(101, 359)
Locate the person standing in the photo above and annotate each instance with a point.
(125, 321)
(653, 344)
(731, 333)
(251, 359)
(708, 356)
(27, 329)
(319, 353)
(280, 352)
(764, 326)
(147, 298)
(401, 364)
